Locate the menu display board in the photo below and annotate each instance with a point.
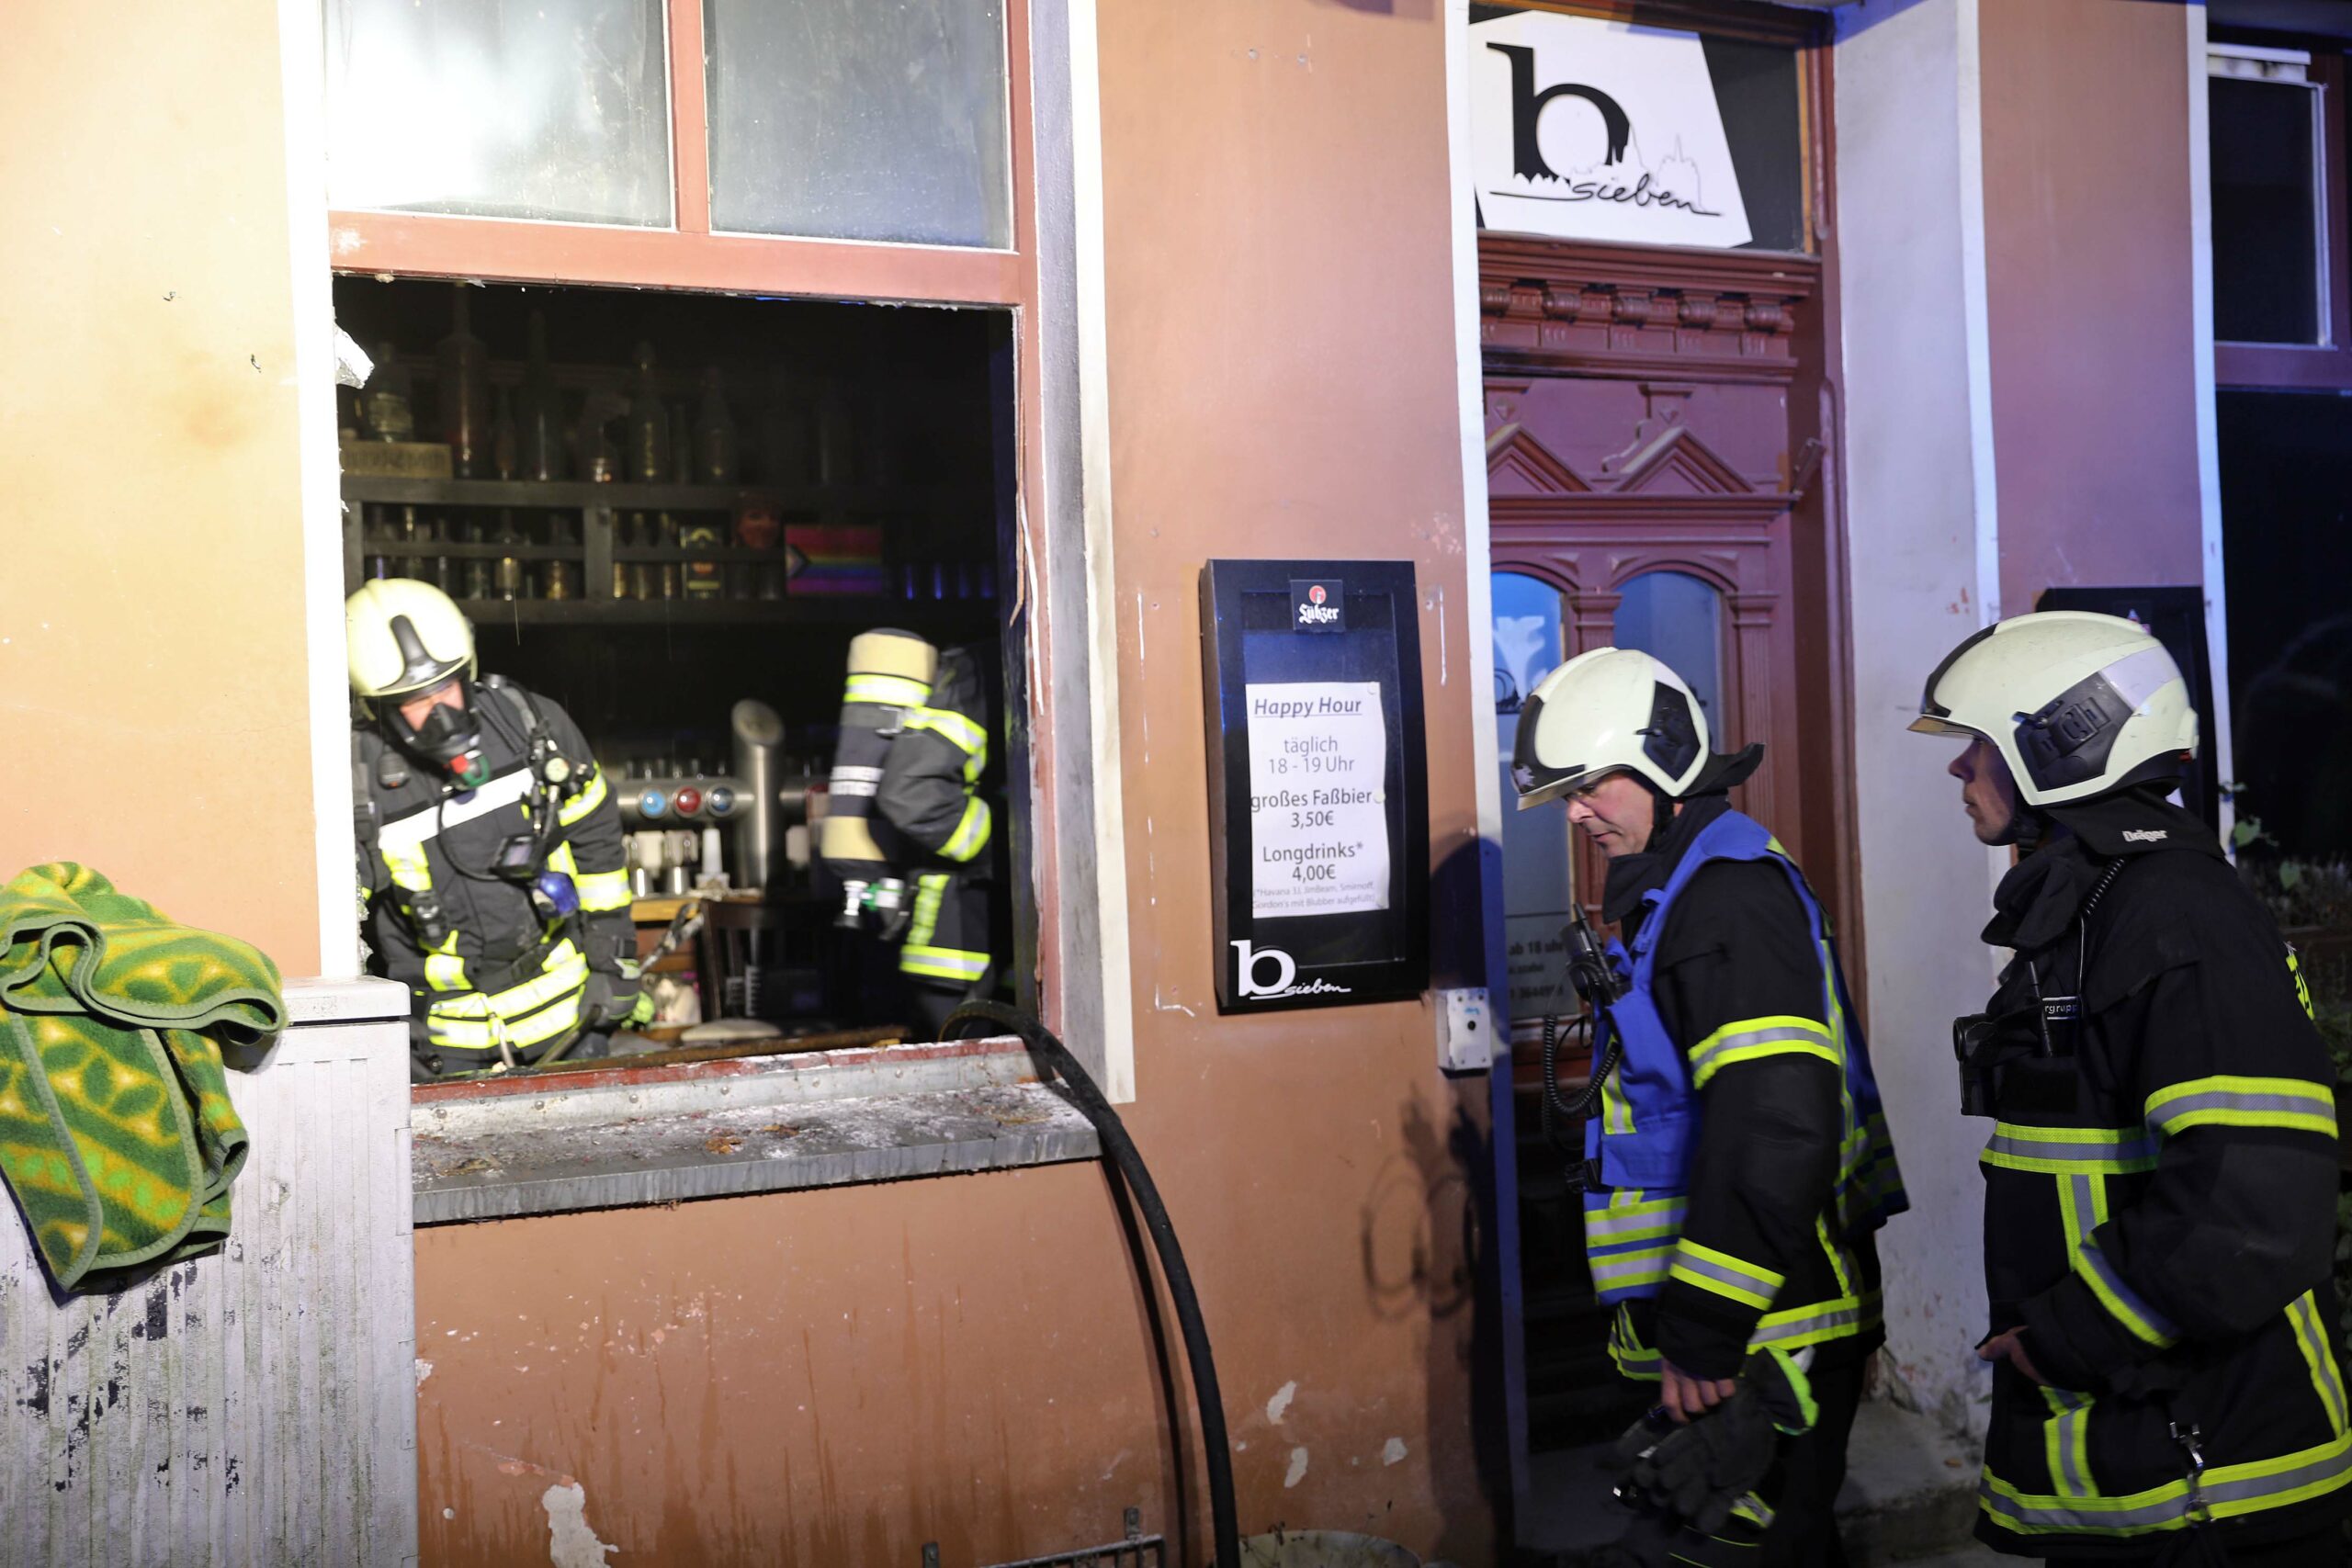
(1318, 782)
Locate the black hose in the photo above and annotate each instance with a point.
(1120, 1150)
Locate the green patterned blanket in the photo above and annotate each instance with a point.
(116, 1131)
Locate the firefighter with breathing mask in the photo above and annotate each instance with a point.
(2160, 1182)
(1736, 1164)
(491, 867)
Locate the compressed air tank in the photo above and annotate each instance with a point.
(889, 672)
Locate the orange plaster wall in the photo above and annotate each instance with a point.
(151, 601)
(2087, 261)
(838, 1376)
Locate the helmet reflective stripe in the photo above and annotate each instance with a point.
(2078, 705)
(1609, 710)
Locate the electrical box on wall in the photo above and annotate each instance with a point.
(1318, 782)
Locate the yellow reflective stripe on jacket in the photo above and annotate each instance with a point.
(2066, 1442)
(1794, 1328)
(469, 1034)
(958, 731)
(602, 890)
(1732, 1278)
(931, 889)
(943, 962)
(1632, 1217)
(2122, 1301)
(888, 691)
(444, 969)
(2064, 1151)
(565, 969)
(1750, 1038)
(408, 865)
(971, 834)
(1621, 1270)
(590, 796)
(2082, 1206)
(2225, 1491)
(2296, 1104)
(2302, 987)
(2327, 1379)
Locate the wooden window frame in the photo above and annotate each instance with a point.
(2280, 367)
(688, 256)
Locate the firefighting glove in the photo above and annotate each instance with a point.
(1661, 1541)
(1700, 1471)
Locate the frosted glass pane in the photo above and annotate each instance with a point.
(1678, 619)
(859, 120)
(554, 109)
(1536, 886)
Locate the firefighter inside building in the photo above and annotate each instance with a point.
(908, 832)
(491, 877)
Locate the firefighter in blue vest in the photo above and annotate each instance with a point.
(2160, 1180)
(491, 859)
(1739, 1164)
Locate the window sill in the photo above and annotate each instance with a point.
(503, 1148)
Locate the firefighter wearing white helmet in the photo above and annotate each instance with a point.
(2161, 1174)
(1737, 1167)
(490, 857)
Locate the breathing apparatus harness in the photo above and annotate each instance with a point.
(521, 858)
(1987, 1045)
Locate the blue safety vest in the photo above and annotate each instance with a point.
(1649, 1118)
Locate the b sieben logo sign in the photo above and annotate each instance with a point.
(1267, 974)
(1317, 607)
(1591, 129)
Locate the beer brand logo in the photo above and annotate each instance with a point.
(1318, 606)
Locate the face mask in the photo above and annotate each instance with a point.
(450, 740)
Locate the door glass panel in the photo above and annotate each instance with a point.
(1536, 882)
(851, 121)
(2267, 202)
(554, 109)
(1677, 617)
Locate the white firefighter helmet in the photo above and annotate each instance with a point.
(1609, 710)
(2079, 703)
(404, 637)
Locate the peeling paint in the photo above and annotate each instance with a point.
(423, 1370)
(571, 1544)
(1281, 1402)
(1297, 1472)
(1393, 1451)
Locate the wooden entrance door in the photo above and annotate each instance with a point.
(1655, 436)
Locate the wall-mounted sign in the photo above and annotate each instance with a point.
(1582, 129)
(1318, 815)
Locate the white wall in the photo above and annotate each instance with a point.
(1924, 554)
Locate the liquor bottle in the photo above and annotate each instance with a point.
(464, 361)
(563, 573)
(387, 405)
(600, 460)
(505, 452)
(667, 537)
(510, 583)
(715, 447)
(542, 411)
(444, 567)
(409, 562)
(696, 536)
(644, 577)
(480, 576)
(682, 445)
(649, 424)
